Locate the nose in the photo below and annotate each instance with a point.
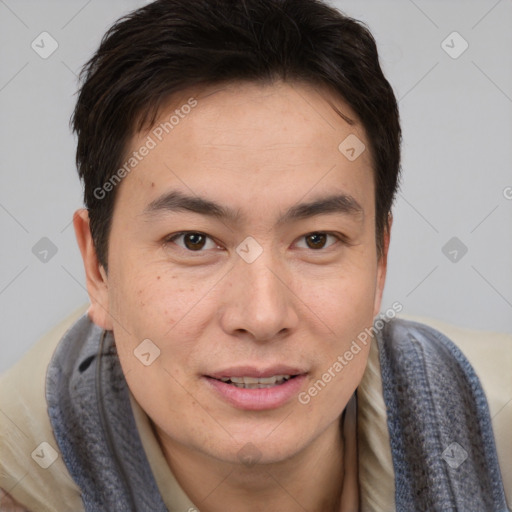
(258, 301)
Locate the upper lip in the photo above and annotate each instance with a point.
(252, 371)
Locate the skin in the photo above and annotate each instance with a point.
(259, 150)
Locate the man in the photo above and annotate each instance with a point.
(240, 161)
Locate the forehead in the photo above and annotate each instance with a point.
(251, 140)
(251, 116)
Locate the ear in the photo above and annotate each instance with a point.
(382, 266)
(96, 277)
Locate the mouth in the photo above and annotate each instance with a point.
(252, 389)
(255, 382)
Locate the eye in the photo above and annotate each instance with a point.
(192, 241)
(318, 240)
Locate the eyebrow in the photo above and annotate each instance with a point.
(176, 201)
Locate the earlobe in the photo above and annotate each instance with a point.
(96, 277)
(382, 266)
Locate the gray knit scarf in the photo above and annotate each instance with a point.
(442, 443)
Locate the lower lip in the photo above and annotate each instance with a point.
(258, 399)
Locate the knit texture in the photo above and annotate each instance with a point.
(100, 444)
(437, 416)
(440, 429)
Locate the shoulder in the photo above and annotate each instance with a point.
(490, 355)
(8, 504)
(30, 466)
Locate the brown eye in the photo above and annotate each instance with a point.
(316, 240)
(192, 241)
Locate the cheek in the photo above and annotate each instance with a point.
(345, 306)
(170, 310)
(155, 306)
(150, 297)
(344, 300)
(347, 309)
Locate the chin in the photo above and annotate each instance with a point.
(255, 450)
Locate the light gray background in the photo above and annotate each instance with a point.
(457, 158)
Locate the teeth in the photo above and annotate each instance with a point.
(256, 383)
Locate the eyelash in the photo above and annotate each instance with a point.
(171, 238)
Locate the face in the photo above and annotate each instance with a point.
(242, 245)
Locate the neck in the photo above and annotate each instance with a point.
(311, 480)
